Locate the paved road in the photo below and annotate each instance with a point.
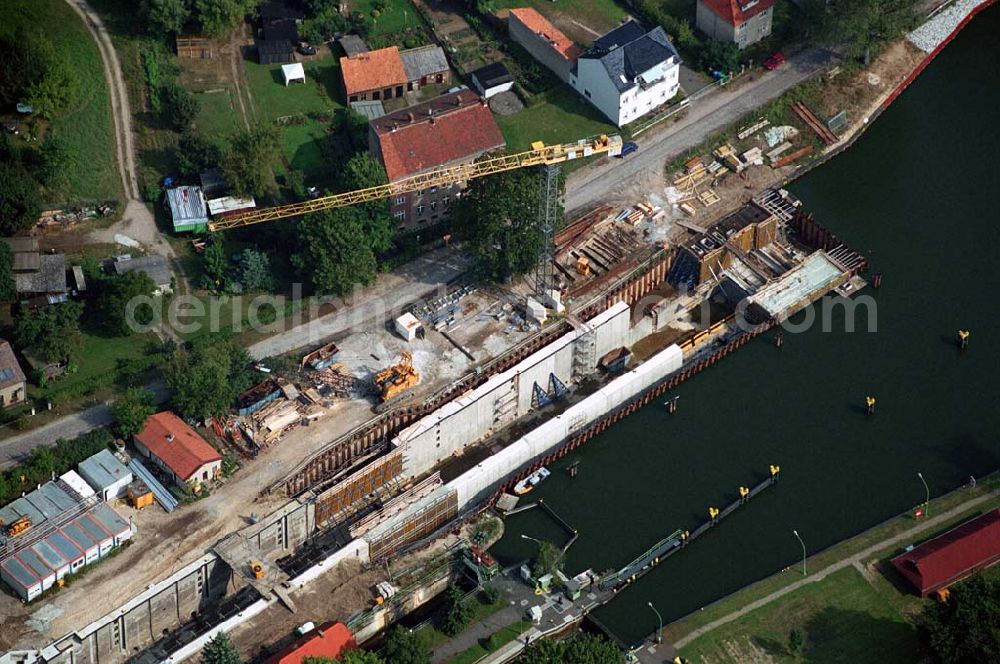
(902, 538)
(16, 448)
(425, 277)
(704, 117)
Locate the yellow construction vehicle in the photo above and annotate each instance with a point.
(583, 266)
(257, 569)
(539, 155)
(394, 380)
(19, 526)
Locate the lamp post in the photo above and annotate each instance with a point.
(796, 533)
(927, 501)
(659, 620)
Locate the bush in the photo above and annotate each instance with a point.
(179, 105)
(490, 595)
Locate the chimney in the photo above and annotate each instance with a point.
(170, 437)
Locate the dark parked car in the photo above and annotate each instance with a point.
(628, 149)
(306, 49)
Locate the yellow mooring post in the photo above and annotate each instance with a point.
(963, 339)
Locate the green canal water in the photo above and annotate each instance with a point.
(918, 193)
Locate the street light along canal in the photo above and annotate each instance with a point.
(933, 228)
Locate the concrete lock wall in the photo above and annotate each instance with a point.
(508, 396)
(165, 605)
(489, 474)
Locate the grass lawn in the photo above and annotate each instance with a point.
(86, 125)
(433, 637)
(843, 619)
(218, 112)
(97, 367)
(485, 647)
(320, 94)
(398, 16)
(562, 117)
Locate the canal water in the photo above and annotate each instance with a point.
(918, 194)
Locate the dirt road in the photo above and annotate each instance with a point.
(137, 221)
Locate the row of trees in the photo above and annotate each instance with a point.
(24, 172)
(43, 461)
(400, 647)
(215, 18)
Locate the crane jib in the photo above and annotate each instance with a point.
(539, 154)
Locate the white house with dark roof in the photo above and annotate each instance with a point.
(628, 72)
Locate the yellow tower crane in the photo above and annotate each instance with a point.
(539, 155)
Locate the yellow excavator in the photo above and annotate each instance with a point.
(392, 381)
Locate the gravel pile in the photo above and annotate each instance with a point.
(930, 35)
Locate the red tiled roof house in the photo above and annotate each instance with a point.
(175, 447)
(742, 22)
(389, 73)
(544, 41)
(452, 129)
(948, 558)
(329, 640)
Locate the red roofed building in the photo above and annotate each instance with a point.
(742, 22)
(452, 129)
(175, 447)
(389, 73)
(950, 557)
(544, 41)
(329, 640)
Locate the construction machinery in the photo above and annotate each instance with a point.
(17, 526)
(257, 570)
(396, 379)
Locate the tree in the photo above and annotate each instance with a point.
(195, 153)
(219, 17)
(33, 70)
(498, 217)
(548, 559)
(721, 55)
(405, 647)
(333, 252)
(216, 264)
(52, 331)
(8, 291)
(58, 158)
(591, 649)
(207, 376)
(456, 612)
(111, 307)
(249, 162)
(132, 410)
(220, 650)
(18, 198)
(181, 107)
(165, 16)
(966, 626)
(255, 270)
(349, 657)
(360, 172)
(864, 26)
(796, 640)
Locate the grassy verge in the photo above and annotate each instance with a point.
(433, 637)
(842, 618)
(86, 126)
(493, 643)
(823, 559)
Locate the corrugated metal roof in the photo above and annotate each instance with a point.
(93, 528)
(80, 537)
(154, 265)
(187, 205)
(18, 508)
(66, 548)
(16, 569)
(50, 500)
(34, 563)
(49, 555)
(103, 470)
(108, 518)
(423, 61)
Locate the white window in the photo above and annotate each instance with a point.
(400, 200)
(434, 206)
(445, 201)
(400, 215)
(420, 210)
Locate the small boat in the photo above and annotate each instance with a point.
(531, 481)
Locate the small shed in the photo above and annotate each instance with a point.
(353, 45)
(227, 204)
(187, 209)
(293, 72)
(79, 485)
(371, 109)
(409, 326)
(154, 265)
(106, 474)
(492, 80)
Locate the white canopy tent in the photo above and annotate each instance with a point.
(293, 72)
